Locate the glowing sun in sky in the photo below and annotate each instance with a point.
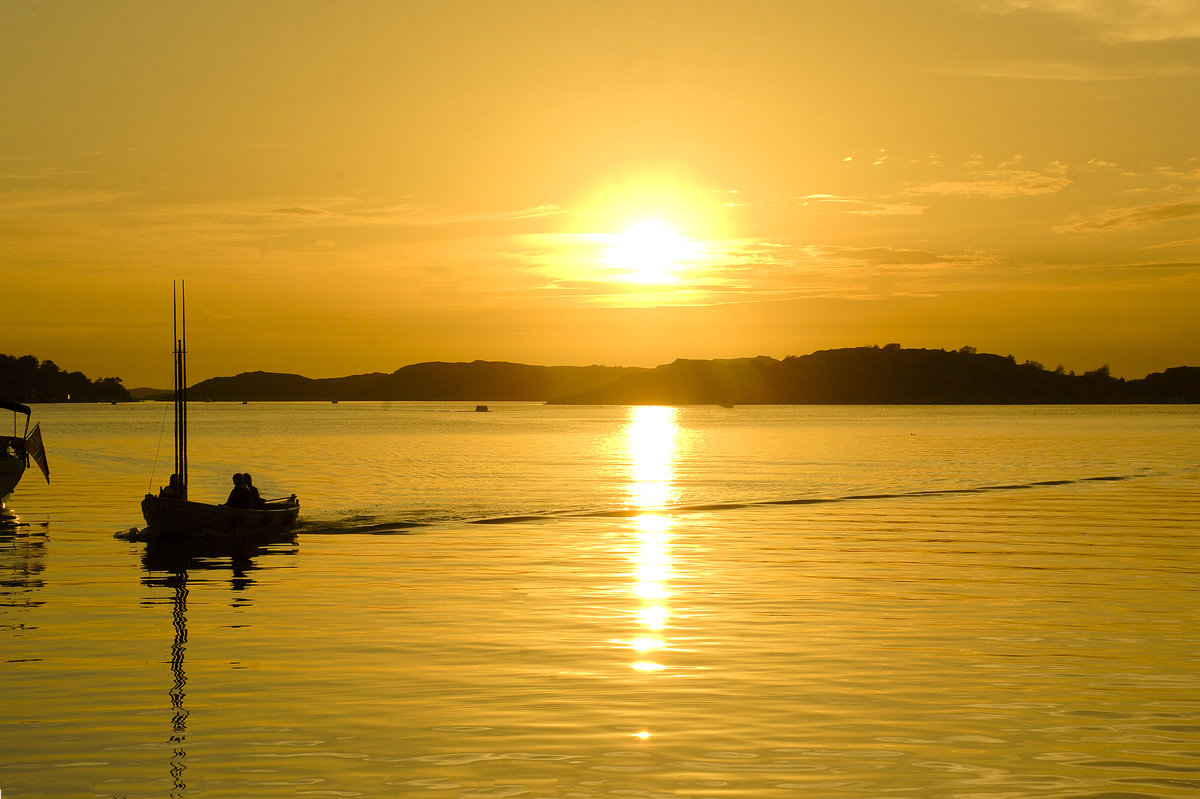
(650, 252)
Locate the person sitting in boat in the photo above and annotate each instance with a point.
(173, 489)
(254, 495)
(240, 496)
(11, 445)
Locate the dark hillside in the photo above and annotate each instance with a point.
(479, 381)
(889, 375)
(1179, 384)
(896, 376)
(861, 375)
(690, 382)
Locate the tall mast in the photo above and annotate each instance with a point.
(175, 370)
(179, 325)
(183, 383)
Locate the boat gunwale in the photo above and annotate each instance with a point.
(188, 517)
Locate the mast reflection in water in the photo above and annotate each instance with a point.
(179, 680)
(169, 565)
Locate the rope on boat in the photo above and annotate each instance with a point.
(158, 449)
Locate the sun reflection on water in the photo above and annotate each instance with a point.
(652, 434)
(652, 570)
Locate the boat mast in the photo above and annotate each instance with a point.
(179, 326)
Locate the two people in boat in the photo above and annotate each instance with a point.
(244, 493)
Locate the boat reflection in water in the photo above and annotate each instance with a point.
(22, 560)
(170, 564)
(10, 522)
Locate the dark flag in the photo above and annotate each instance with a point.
(37, 450)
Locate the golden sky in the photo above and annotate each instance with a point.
(350, 187)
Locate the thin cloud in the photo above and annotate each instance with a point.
(15, 202)
(1068, 71)
(408, 214)
(1134, 218)
(1116, 21)
(1165, 245)
(297, 211)
(861, 207)
(886, 256)
(997, 184)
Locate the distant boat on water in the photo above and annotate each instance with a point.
(18, 449)
(172, 515)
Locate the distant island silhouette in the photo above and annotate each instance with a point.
(889, 375)
(475, 382)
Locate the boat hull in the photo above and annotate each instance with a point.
(178, 518)
(11, 470)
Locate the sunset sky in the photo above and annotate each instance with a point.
(350, 187)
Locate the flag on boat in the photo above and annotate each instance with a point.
(37, 450)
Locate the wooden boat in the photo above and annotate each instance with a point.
(171, 514)
(18, 449)
(202, 519)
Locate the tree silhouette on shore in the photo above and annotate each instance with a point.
(25, 379)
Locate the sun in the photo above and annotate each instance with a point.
(650, 252)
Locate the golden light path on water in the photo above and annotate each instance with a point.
(652, 439)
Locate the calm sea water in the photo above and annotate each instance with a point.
(996, 603)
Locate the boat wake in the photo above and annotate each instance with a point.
(364, 525)
(356, 525)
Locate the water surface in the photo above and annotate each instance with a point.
(704, 602)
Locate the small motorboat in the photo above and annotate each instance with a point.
(172, 515)
(200, 519)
